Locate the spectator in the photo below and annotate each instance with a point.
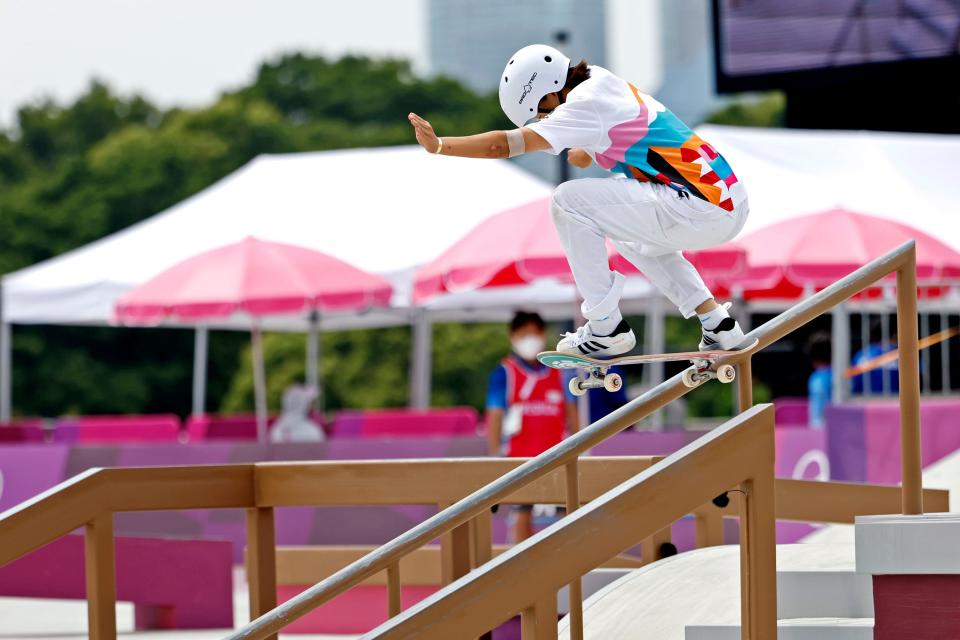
(874, 377)
(294, 424)
(529, 406)
(820, 383)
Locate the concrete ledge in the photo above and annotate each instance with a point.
(818, 593)
(796, 629)
(908, 545)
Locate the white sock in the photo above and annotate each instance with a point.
(711, 319)
(605, 326)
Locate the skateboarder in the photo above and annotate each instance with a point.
(671, 192)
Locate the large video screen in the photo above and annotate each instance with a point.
(758, 38)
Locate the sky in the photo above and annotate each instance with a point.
(187, 52)
(184, 52)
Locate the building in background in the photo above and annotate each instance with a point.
(664, 47)
(471, 40)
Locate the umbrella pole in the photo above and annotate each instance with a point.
(200, 341)
(313, 359)
(6, 350)
(259, 381)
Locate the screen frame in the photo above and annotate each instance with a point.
(810, 78)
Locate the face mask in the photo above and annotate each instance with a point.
(528, 347)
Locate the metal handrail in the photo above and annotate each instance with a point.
(901, 260)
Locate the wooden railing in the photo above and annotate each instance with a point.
(88, 500)
(526, 578)
(901, 261)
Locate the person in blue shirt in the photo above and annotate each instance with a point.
(874, 377)
(820, 382)
(529, 406)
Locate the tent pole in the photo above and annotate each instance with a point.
(313, 359)
(840, 351)
(200, 348)
(259, 381)
(6, 349)
(656, 343)
(420, 360)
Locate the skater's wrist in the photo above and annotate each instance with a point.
(439, 146)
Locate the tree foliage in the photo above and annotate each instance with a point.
(73, 173)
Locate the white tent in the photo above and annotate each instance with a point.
(912, 178)
(382, 210)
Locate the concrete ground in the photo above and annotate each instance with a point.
(39, 619)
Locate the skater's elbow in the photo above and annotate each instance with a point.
(497, 150)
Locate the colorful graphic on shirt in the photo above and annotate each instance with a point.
(655, 146)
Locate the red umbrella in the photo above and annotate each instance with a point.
(257, 278)
(254, 277)
(810, 252)
(520, 245)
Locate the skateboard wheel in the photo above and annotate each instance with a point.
(690, 378)
(612, 382)
(576, 388)
(726, 373)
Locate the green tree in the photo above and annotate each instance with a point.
(70, 174)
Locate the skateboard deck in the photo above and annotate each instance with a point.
(597, 368)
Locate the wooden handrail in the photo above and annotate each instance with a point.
(899, 260)
(81, 499)
(739, 453)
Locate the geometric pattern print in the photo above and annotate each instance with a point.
(670, 153)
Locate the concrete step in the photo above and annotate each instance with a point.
(589, 584)
(908, 545)
(793, 629)
(819, 593)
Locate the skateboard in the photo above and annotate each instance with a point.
(598, 377)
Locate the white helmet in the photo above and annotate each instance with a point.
(532, 73)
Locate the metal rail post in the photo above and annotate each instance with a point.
(909, 385)
(101, 578)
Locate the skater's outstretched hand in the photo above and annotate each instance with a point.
(491, 144)
(579, 158)
(424, 132)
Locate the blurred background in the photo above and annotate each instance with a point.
(111, 112)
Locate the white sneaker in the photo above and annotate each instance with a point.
(726, 336)
(584, 342)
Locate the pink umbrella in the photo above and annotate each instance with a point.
(520, 245)
(256, 278)
(812, 251)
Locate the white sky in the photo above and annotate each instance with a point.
(186, 52)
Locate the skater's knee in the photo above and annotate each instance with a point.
(564, 198)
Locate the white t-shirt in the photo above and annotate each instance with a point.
(630, 132)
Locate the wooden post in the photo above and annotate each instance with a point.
(460, 550)
(650, 547)
(481, 536)
(261, 562)
(709, 527)
(912, 500)
(574, 589)
(539, 621)
(101, 578)
(758, 560)
(393, 589)
(744, 385)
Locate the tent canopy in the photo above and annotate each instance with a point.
(805, 253)
(388, 210)
(382, 210)
(906, 177)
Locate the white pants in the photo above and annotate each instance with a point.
(649, 224)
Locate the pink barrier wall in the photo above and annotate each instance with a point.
(454, 421)
(864, 439)
(174, 584)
